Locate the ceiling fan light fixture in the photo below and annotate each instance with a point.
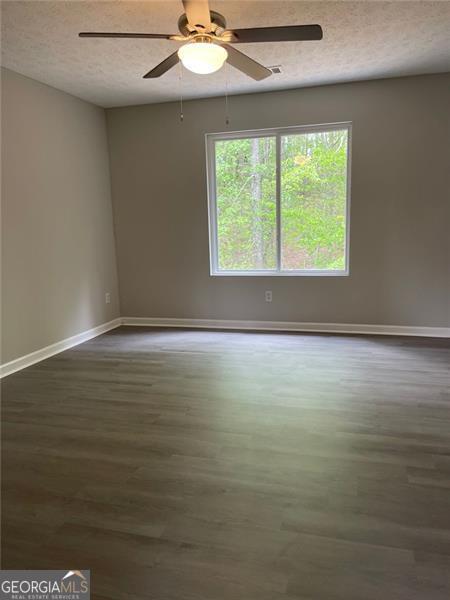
(203, 56)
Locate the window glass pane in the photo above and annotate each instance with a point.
(313, 200)
(246, 203)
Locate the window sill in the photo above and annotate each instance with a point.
(310, 273)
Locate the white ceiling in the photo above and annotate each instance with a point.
(362, 40)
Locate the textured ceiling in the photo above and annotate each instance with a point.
(362, 40)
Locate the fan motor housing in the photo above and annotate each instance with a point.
(218, 21)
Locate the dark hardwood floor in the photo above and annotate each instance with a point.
(202, 465)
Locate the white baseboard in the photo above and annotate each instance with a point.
(443, 332)
(30, 359)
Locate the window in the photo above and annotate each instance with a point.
(279, 201)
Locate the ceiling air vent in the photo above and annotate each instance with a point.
(276, 69)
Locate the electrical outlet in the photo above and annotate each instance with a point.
(268, 296)
(107, 298)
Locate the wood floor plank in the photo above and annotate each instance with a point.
(205, 465)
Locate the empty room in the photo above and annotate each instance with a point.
(225, 298)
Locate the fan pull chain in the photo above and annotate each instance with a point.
(180, 79)
(227, 115)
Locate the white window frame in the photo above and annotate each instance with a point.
(278, 132)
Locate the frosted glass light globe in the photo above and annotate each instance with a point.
(202, 57)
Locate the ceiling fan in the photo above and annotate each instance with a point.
(208, 42)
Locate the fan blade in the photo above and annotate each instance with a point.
(246, 64)
(197, 13)
(290, 33)
(163, 66)
(98, 34)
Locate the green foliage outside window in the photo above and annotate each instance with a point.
(313, 171)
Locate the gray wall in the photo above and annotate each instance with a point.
(58, 255)
(399, 246)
